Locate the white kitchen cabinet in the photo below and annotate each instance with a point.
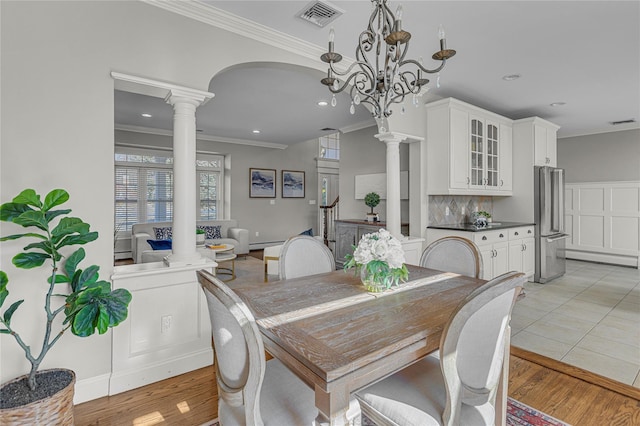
(545, 145)
(494, 248)
(502, 250)
(469, 150)
(522, 250)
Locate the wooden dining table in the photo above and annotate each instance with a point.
(339, 338)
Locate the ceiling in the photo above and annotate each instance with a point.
(585, 54)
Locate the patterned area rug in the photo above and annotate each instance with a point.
(518, 414)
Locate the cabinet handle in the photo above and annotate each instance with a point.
(516, 233)
(529, 231)
(495, 253)
(468, 180)
(524, 248)
(484, 238)
(501, 182)
(501, 236)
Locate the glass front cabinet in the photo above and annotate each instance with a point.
(478, 145)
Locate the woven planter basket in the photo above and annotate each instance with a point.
(56, 409)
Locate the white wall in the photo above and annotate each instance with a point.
(361, 153)
(603, 157)
(57, 127)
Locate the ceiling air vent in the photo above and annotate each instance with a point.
(320, 13)
(615, 123)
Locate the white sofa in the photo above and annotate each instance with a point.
(141, 232)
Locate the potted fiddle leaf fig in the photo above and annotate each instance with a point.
(85, 304)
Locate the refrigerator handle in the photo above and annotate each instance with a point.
(559, 237)
(560, 207)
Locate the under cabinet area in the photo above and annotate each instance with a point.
(469, 150)
(349, 232)
(503, 248)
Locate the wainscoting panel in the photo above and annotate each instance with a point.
(168, 331)
(604, 221)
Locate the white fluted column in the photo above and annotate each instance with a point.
(184, 177)
(392, 140)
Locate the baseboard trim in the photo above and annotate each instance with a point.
(609, 258)
(91, 388)
(127, 380)
(578, 373)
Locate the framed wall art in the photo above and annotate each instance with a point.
(292, 184)
(262, 183)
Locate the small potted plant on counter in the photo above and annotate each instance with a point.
(372, 199)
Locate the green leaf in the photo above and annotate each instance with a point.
(29, 260)
(9, 211)
(88, 276)
(102, 322)
(16, 236)
(4, 280)
(84, 322)
(9, 312)
(52, 214)
(59, 278)
(72, 262)
(90, 310)
(28, 196)
(70, 240)
(55, 198)
(45, 246)
(32, 218)
(67, 226)
(4, 331)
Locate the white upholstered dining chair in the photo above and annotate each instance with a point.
(453, 254)
(457, 386)
(252, 391)
(303, 255)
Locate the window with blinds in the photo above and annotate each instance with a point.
(144, 186)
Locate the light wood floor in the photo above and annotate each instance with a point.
(192, 398)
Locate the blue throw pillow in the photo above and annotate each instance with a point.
(308, 232)
(160, 244)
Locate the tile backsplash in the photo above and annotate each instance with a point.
(460, 208)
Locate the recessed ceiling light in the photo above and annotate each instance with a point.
(146, 115)
(256, 131)
(511, 77)
(323, 103)
(557, 104)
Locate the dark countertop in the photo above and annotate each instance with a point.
(471, 228)
(364, 222)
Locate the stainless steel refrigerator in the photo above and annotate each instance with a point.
(549, 217)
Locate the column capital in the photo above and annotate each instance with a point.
(390, 137)
(185, 95)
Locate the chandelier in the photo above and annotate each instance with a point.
(381, 75)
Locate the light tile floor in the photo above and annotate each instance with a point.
(589, 318)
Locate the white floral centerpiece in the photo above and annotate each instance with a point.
(379, 259)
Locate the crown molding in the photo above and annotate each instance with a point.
(358, 126)
(219, 18)
(164, 132)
